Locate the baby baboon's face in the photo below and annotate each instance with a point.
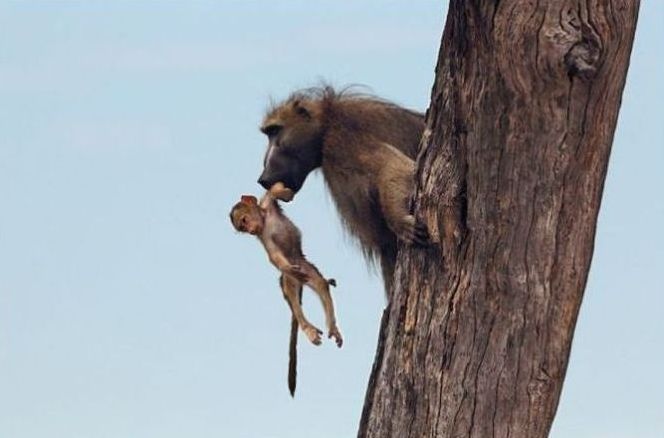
(294, 134)
(246, 216)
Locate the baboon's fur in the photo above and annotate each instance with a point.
(283, 242)
(366, 148)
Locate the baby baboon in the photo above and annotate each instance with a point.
(366, 149)
(283, 243)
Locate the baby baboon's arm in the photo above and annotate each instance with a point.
(278, 259)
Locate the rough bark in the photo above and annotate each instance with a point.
(510, 176)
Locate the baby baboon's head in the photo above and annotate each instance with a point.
(246, 216)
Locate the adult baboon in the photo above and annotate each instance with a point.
(365, 147)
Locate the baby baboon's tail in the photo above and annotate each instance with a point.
(292, 348)
(292, 357)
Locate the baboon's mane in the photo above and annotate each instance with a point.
(329, 96)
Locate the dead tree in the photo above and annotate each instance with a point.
(510, 176)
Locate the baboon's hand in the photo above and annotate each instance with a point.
(413, 231)
(297, 272)
(336, 334)
(313, 334)
(281, 192)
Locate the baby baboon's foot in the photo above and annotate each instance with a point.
(313, 334)
(336, 334)
(413, 231)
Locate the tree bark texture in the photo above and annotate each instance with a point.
(476, 340)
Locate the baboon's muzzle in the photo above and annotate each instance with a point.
(269, 179)
(290, 172)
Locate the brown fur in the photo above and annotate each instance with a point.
(283, 243)
(367, 148)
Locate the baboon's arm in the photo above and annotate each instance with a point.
(395, 186)
(267, 201)
(403, 224)
(277, 258)
(281, 262)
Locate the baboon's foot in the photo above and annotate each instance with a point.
(313, 334)
(335, 334)
(413, 232)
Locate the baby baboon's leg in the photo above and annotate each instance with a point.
(321, 286)
(291, 288)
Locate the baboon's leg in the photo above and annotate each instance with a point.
(387, 262)
(291, 288)
(321, 286)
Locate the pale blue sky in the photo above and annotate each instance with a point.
(129, 307)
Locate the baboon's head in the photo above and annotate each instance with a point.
(246, 216)
(295, 132)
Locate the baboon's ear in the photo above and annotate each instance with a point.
(248, 199)
(300, 109)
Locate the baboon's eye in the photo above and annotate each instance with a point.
(242, 226)
(271, 130)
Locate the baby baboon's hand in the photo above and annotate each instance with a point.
(336, 334)
(281, 192)
(297, 272)
(313, 334)
(413, 231)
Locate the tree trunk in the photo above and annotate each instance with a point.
(510, 175)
